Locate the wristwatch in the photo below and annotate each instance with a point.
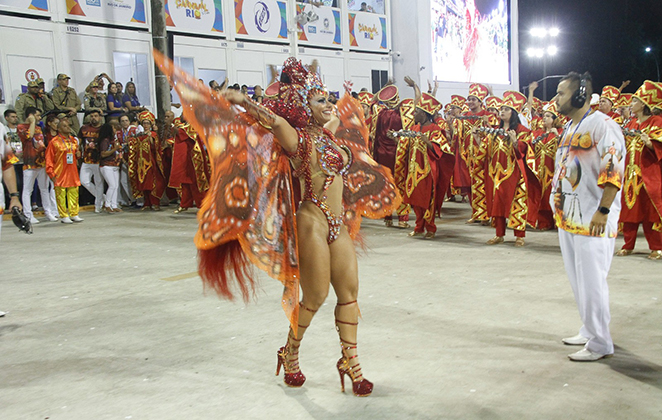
(14, 194)
(603, 210)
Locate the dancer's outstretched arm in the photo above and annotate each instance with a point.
(286, 135)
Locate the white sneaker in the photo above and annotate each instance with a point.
(97, 210)
(51, 218)
(577, 340)
(77, 218)
(586, 355)
(66, 220)
(34, 220)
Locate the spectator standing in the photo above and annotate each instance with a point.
(34, 149)
(114, 101)
(61, 158)
(15, 144)
(90, 176)
(45, 96)
(130, 100)
(67, 101)
(258, 95)
(109, 165)
(124, 134)
(95, 99)
(31, 98)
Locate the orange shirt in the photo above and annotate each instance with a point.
(61, 161)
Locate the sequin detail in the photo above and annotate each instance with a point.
(331, 163)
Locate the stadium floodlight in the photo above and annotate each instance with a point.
(648, 49)
(554, 32)
(539, 32)
(552, 50)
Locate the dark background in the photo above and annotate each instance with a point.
(606, 38)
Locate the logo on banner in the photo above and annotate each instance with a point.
(326, 23)
(312, 29)
(193, 9)
(31, 75)
(262, 21)
(96, 3)
(369, 32)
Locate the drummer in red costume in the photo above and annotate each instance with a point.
(145, 165)
(608, 98)
(642, 187)
(511, 196)
(622, 106)
(424, 148)
(493, 104)
(544, 143)
(390, 119)
(472, 154)
(190, 167)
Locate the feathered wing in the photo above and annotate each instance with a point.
(370, 190)
(247, 216)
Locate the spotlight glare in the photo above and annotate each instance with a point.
(554, 31)
(540, 52)
(552, 50)
(531, 52)
(648, 49)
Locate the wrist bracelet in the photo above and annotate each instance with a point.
(603, 210)
(14, 194)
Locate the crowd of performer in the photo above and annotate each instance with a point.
(498, 154)
(120, 160)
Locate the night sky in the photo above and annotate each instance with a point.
(606, 38)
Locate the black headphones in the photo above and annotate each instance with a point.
(579, 97)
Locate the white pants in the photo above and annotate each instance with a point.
(87, 171)
(112, 176)
(587, 260)
(125, 195)
(47, 197)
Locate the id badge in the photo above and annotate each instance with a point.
(70, 158)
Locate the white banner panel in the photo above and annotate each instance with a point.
(38, 7)
(118, 12)
(325, 31)
(261, 19)
(367, 31)
(195, 16)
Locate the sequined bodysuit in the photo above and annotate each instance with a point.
(331, 163)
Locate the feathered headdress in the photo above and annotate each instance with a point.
(298, 84)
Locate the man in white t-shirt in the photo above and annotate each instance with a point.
(586, 200)
(7, 162)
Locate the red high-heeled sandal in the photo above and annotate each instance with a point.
(361, 387)
(292, 376)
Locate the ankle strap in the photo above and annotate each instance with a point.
(346, 303)
(301, 305)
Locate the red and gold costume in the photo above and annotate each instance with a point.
(392, 118)
(515, 189)
(167, 142)
(536, 119)
(61, 166)
(423, 166)
(642, 186)
(611, 93)
(544, 144)
(473, 154)
(623, 101)
(493, 102)
(190, 166)
(145, 164)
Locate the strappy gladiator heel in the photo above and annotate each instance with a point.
(292, 375)
(361, 387)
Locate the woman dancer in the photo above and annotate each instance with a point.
(248, 213)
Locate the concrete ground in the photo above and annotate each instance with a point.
(107, 320)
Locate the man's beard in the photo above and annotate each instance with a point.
(566, 109)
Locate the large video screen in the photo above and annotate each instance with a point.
(470, 41)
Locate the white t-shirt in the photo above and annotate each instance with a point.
(589, 156)
(5, 151)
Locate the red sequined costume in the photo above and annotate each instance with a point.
(248, 214)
